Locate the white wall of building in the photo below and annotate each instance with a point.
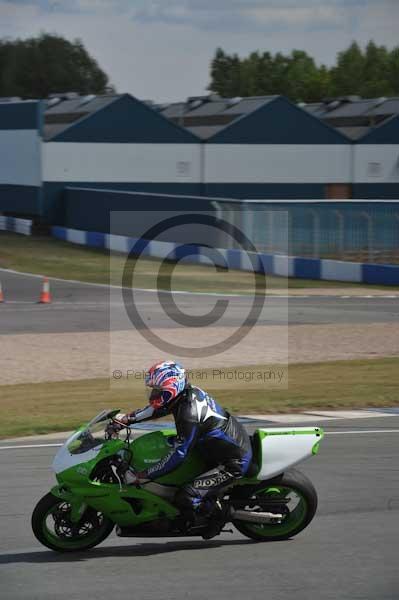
(376, 163)
(20, 152)
(258, 163)
(152, 163)
(181, 163)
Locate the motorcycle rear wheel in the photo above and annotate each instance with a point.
(51, 526)
(293, 486)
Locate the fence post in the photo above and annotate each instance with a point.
(248, 222)
(270, 232)
(316, 233)
(341, 230)
(397, 218)
(369, 220)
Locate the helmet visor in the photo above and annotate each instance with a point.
(155, 396)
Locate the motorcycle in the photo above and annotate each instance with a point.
(272, 502)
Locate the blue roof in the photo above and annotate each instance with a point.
(356, 108)
(353, 115)
(385, 133)
(124, 120)
(278, 121)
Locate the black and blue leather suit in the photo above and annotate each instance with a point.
(221, 439)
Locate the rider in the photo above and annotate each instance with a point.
(200, 422)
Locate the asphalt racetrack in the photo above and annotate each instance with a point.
(81, 307)
(349, 552)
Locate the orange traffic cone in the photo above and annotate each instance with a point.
(1, 294)
(45, 296)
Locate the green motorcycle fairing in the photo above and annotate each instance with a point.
(126, 505)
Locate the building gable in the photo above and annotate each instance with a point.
(278, 122)
(126, 120)
(386, 133)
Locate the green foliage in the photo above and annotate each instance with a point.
(371, 72)
(37, 67)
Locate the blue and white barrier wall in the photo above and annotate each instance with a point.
(284, 266)
(23, 226)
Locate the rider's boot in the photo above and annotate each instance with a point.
(217, 518)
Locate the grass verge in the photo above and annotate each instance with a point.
(55, 258)
(28, 409)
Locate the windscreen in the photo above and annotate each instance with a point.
(89, 438)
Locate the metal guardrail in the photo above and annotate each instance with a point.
(23, 226)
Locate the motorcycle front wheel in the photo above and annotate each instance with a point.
(292, 495)
(53, 528)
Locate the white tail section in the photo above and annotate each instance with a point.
(282, 448)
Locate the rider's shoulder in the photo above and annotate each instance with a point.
(195, 393)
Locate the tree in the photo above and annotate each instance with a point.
(278, 75)
(393, 70)
(37, 67)
(234, 79)
(376, 81)
(369, 73)
(220, 68)
(347, 76)
(303, 78)
(256, 71)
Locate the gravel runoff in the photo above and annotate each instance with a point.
(33, 358)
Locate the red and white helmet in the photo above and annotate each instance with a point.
(167, 380)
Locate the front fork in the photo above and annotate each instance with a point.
(78, 506)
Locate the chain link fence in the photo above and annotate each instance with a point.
(345, 230)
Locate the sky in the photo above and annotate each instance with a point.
(162, 49)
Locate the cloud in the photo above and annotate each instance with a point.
(234, 16)
(196, 11)
(74, 6)
(11, 12)
(250, 15)
(161, 49)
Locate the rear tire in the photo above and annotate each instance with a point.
(95, 527)
(294, 483)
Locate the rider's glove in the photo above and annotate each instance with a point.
(125, 420)
(121, 419)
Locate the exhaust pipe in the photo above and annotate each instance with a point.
(255, 517)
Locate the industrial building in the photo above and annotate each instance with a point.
(20, 158)
(268, 148)
(247, 148)
(354, 116)
(371, 169)
(114, 142)
(373, 127)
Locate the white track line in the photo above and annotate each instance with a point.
(355, 431)
(155, 291)
(30, 446)
(61, 303)
(6, 302)
(118, 287)
(360, 431)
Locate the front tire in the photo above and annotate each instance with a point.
(293, 486)
(52, 527)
